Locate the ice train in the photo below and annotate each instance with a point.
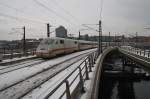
(50, 47)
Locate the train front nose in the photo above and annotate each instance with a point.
(41, 52)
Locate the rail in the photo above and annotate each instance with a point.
(137, 51)
(77, 77)
(14, 54)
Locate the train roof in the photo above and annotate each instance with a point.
(58, 38)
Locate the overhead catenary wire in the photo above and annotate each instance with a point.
(2, 4)
(101, 8)
(54, 12)
(20, 18)
(10, 7)
(90, 27)
(20, 11)
(64, 10)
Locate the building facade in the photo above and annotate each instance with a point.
(61, 32)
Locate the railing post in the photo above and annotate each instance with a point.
(94, 58)
(81, 83)
(20, 54)
(68, 95)
(132, 50)
(137, 51)
(4, 51)
(90, 67)
(140, 52)
(92, 63)
(148, 53)
(144, 52)
(86, 71)
(11, 56)
(95, 55)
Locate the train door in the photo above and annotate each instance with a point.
(76, 45)
(62, 46)
(59, 46)
(56, 47)
(67, 46)
(70, 46)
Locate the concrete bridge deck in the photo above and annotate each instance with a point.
(143, 60)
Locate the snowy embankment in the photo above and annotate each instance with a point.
(24, 64)
(47, 87)
(17, 59)
(20, 74)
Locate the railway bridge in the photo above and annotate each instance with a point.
(117, 73)
(133, 66)
(98, 74)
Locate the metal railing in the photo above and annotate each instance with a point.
(79, 75)
(141, 52)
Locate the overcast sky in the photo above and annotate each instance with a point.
(118, 17)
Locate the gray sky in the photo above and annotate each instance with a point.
(118, 16)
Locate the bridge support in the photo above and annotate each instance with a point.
(128, 63)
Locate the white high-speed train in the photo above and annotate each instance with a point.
(50, 47)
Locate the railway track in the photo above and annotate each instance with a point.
(21, 65)
(23, 87)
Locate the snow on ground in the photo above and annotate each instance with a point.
(18, 58)
(19, 89)
(12, 77)
(87, 84)
(19, 65)
(1, 67)
(15, 76)
(42, 91)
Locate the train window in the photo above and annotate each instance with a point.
(75, 42)
(50, 41)
(45, 42)
(56, 42)
(61, 41)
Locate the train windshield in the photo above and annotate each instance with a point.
(47, 42)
